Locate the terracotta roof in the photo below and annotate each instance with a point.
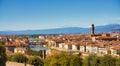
(116, 47)
(7, 45)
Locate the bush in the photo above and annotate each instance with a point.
(93, 60)
(108, 60)
(9, 57)
(63, 60)
(18, 57)
(36, 61)
(34, 53)
(118, 61)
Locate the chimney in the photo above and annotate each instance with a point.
(92, 30)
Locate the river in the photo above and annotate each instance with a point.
(39, 47)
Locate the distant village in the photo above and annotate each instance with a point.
(93, 43)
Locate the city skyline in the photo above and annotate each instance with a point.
(46, 14)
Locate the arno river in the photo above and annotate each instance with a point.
(39, 47)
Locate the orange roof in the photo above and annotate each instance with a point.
(7, 45)
(116, 47)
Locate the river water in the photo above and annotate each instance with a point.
(39, 47)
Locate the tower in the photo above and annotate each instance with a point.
(92, 29)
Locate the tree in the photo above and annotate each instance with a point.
(75, 60)
(3, 57)
(34, 53)
(108, 60)
(18, 57)
(63, 60)
(118, 61)
(36, 61)
(52, 61)
(78, 47)
(118, 52)
(9, 57)
(93, 60)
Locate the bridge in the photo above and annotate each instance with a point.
(37, 42)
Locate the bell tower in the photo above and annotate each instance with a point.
(92, 29)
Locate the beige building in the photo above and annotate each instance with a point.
(20, 50)
(74, 47)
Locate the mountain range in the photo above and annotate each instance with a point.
(66, 30)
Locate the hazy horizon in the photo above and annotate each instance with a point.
(61, 27)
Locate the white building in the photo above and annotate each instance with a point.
(61, 45)
(74, 47)
(94, 49)
(19, 50)
(102, 50)
(66, 46)
(82, 48)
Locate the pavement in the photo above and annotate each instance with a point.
(8, 63)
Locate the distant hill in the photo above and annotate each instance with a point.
(108, 28)
(66, 30)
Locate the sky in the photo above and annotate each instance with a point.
(47, 14)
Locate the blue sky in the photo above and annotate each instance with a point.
(46, 14)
